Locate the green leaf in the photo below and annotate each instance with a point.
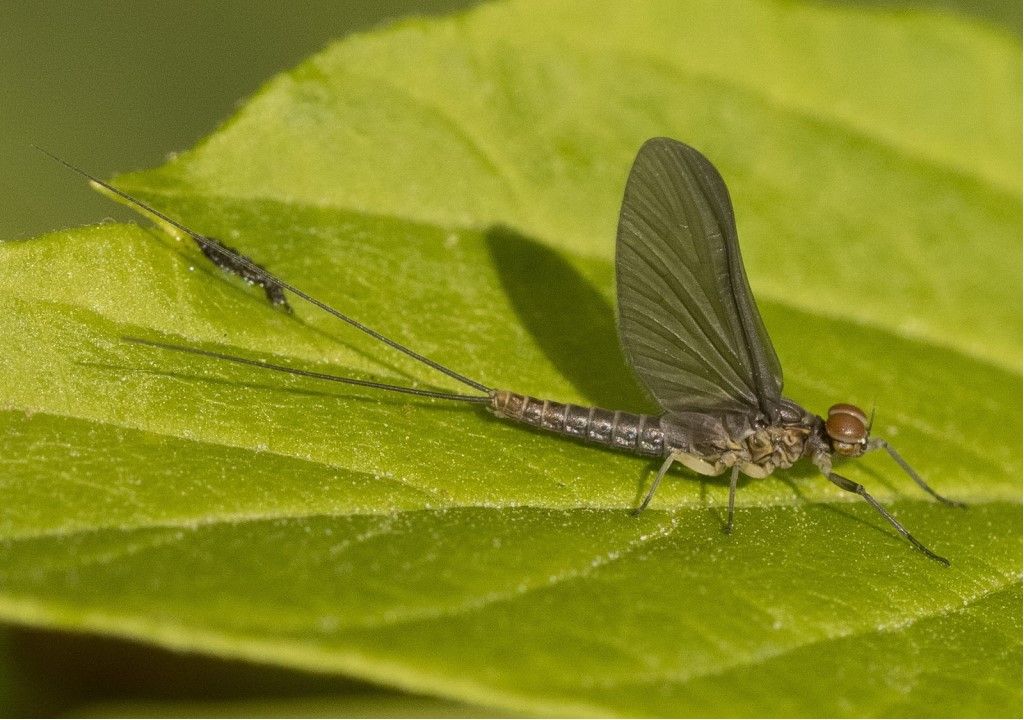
(454, 184)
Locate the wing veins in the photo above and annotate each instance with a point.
(688, 322)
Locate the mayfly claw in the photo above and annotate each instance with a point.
(689, 327)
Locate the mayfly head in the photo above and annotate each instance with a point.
(847, 427)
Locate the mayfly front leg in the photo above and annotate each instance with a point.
(824, 464)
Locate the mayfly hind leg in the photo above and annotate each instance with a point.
(699, 466)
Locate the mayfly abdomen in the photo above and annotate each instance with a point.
(638, 434)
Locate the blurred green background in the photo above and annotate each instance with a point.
(113, 87)
(117, 86)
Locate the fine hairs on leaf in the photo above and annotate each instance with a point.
(421, 546)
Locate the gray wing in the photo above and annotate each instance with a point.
(687, 319)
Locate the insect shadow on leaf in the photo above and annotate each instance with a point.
(572, 322)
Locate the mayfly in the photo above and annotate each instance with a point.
(688, 326)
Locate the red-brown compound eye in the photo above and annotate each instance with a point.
(846, 423)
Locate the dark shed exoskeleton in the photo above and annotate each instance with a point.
(689, 327)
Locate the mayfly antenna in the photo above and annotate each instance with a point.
(306, 373)
(213, 245)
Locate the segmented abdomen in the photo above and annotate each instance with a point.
(640, 434)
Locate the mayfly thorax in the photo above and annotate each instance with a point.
(688, 325)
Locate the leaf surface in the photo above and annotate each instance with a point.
(454, 184)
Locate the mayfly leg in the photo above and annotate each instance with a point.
(699, 466)
(879, 443)
(654, 485)
(732, 496)
(858, 489)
